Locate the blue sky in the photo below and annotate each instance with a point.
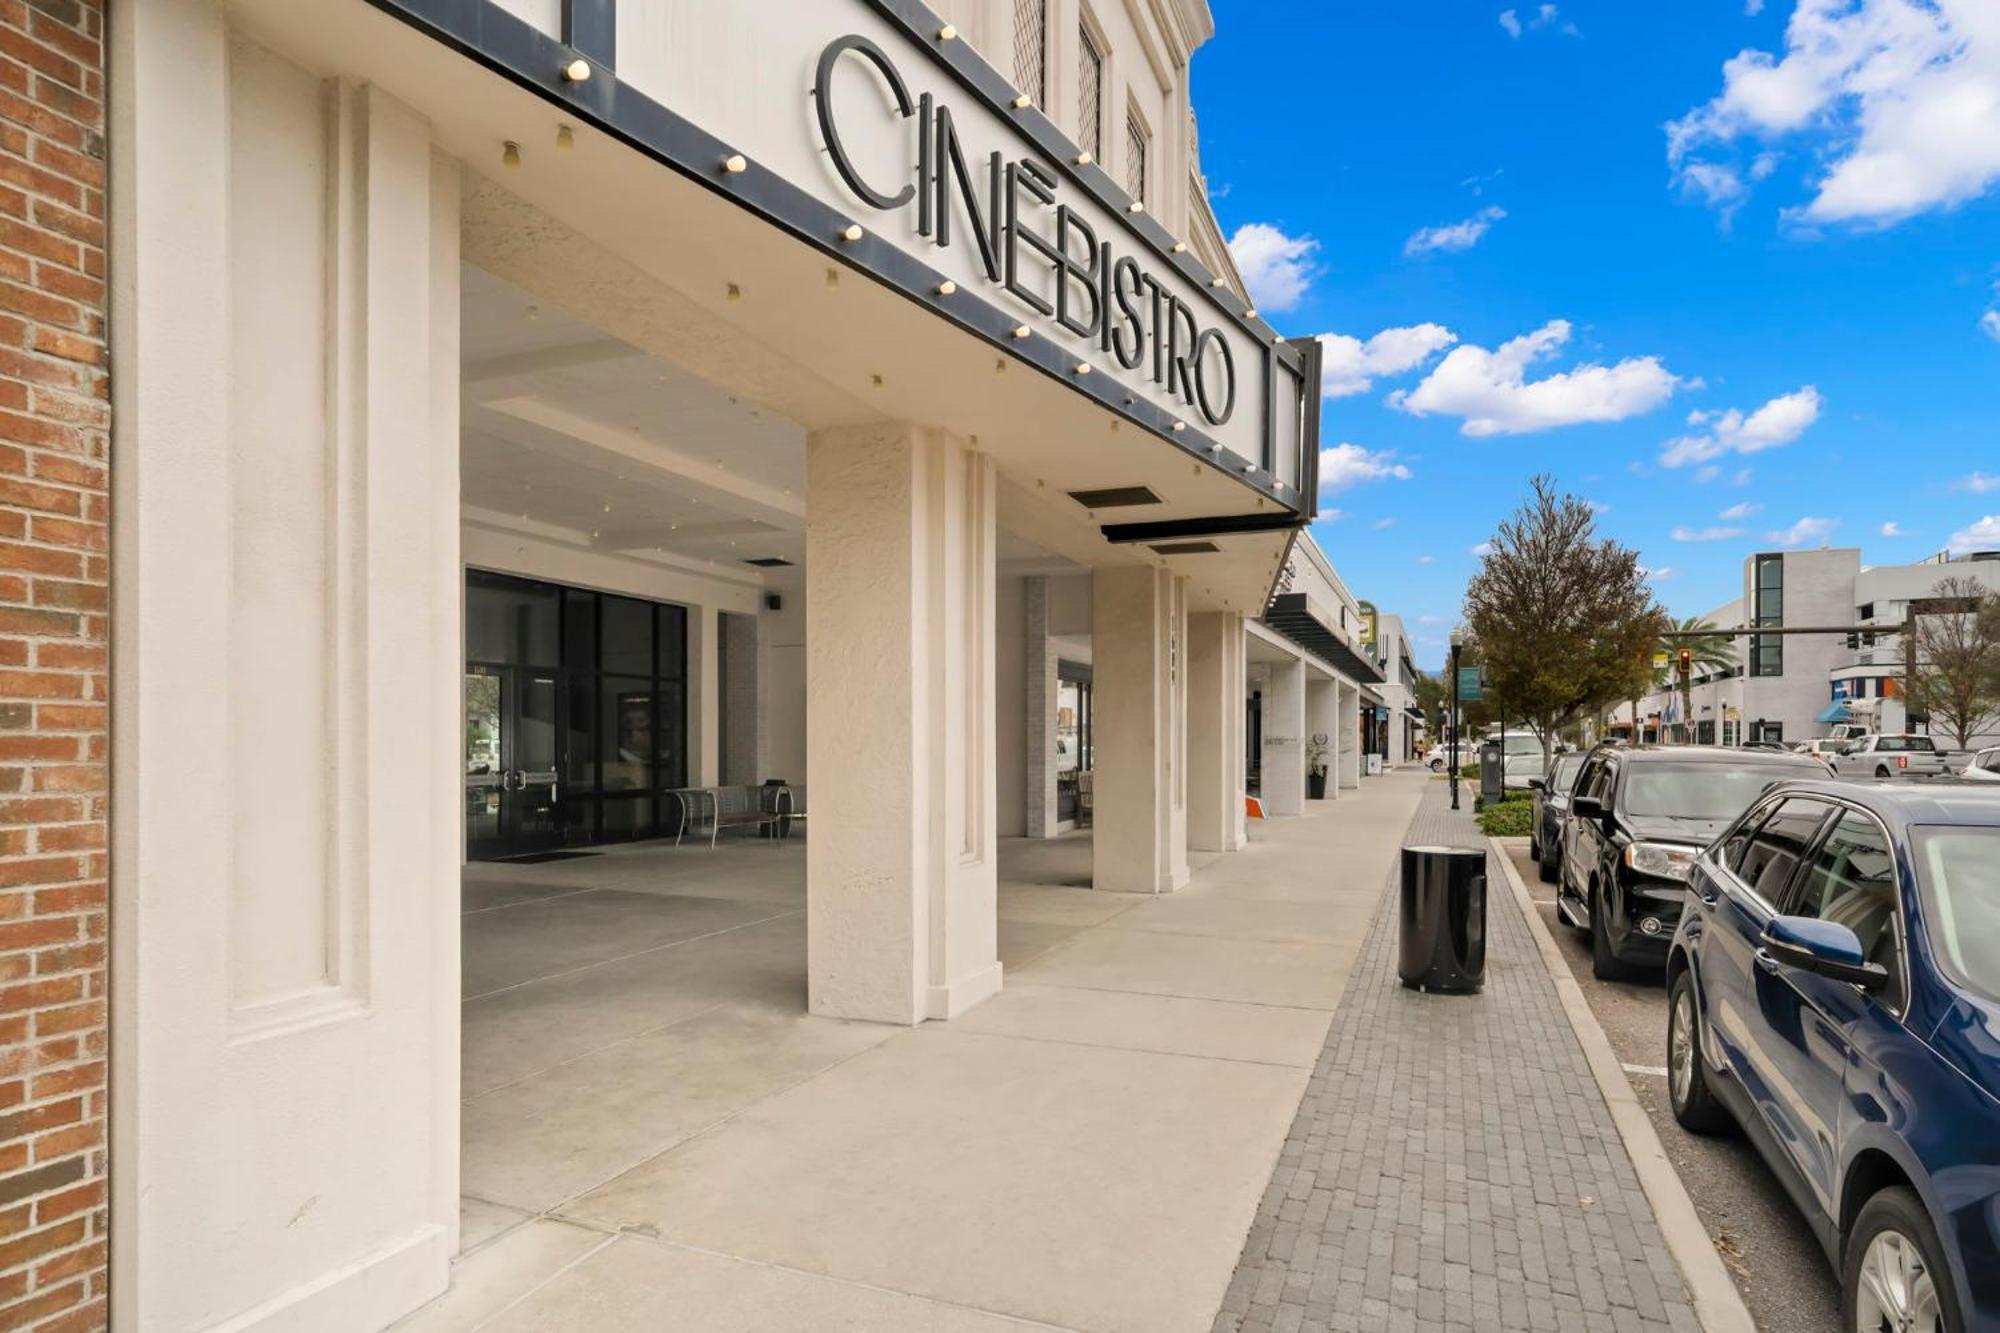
(1751, 259)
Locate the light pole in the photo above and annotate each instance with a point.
(1457, 642)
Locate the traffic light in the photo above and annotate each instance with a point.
(1685, 659)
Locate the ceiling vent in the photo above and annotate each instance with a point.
(769, 562)
(1188, 548)
(1115, 497)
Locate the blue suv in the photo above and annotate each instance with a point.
(1834, 988)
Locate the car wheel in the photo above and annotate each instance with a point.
(1545, 870)
(1437, 765)
(1894, 1273)
(1534, 848)
(1604, 964)
(1882, 772)
(1695, 1106)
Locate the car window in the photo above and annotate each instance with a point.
(1958, 875)
(1586, 779)
(1564, 774)
(1779, 845)
(1991, 761)
(1852, 881)
(1700, 790)
(1905, 743)
(1739, 837)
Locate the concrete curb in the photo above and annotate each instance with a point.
(1717, 1303)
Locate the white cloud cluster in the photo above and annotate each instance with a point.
(1276, 268)
(1343, 465)
(1455, 236)
(1892, 529)
(1776, 423)
(1492, 391)
(1906, 93)
(1545, 16)
(1684, 534)
(1657, 575)
(1979, 483)
(1989, 324)
(1736, 513)
(1983, 535)
(1349, 366)
(1806, 531)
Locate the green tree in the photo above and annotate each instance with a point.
(1434, 697)
(1957, 682)
(1711, 651)
(1563, 618)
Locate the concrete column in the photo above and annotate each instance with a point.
(1284, 738)
(1323, 719)
(900, 881)
(1215, 690)
(1348, 728)
(1137, 641)
(1038, 712)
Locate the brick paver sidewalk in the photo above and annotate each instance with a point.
(1453, 1165)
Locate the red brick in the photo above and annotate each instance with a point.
(70, 777)
(41, 809)
(71, 656)
(68, 717)
(63, 531)
(29, 934)
(55, 342)
(83, 1259)
(75, 1018)
(45, 1303)
(55, 1082)
(75, 596)
(40, 685)
(74, 897)
(41, 994)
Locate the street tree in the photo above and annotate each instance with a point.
(1957, 678)
(1708, 649)
(1564, 619)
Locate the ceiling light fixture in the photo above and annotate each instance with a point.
(577, 71)
(851, 232)
(1023, 102)
(735, 164)
(947, 33)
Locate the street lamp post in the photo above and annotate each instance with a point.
(1457, 641)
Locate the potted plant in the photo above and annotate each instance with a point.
(1316, 767)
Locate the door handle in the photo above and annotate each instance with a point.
(1766, 963)
(1709, 896)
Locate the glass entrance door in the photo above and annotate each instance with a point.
(511, 784)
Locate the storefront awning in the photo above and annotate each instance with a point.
(1290, 615)
(1837, 711)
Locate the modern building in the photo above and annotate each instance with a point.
(1308, 678)
(1399, 723)
(1790, 688)
(445, 430)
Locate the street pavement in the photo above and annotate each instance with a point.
(1453, 1165)
(1766, 1246)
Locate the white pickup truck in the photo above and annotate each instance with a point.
(1883, 756)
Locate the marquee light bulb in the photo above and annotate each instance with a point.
(1180, 247)
(1180, 426)
(1217, 282)
(1023, 102)
(851, 232)
(577, 71)
(735, 164)
(1083, 159)
(947, 33)
(1135, 207)
(947, 287)
(1250, 312)
(1021, 330)
(1083, 367)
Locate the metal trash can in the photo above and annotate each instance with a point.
(1492, 770)
(1443, 919)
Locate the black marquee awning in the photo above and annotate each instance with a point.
(1290, 615)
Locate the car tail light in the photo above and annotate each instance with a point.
(1902, 761)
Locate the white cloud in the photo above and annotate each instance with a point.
(1706, 534)
(1805, 531)
(1511, 22)
(1904, 92)
(1597, 506)
(1714, 184)
(1705, 475)
(1454, 236)
(1491, 391)
(1989, 324)
(1736, 513)
(1893, 529)
(1276, 268)
(1350, 366)
(1771, 426)
(1330, 516)
(1426, 559)
(1753, 7)
(1343, 465)
(1545, 16)
(1482, 550)
(1981, 536)
(1979, 483)
(1742, 477)
(1657, 575)
(1381, 523)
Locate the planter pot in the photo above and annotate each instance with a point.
(1316, 786)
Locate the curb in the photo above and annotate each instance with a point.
(1717, 1303)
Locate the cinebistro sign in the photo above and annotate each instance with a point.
(1023, 236)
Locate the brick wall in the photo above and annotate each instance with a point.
(54, 592)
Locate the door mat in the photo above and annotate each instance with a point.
(537, 858)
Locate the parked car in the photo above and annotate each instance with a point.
(1881, 755)
(1822, 748)
(1551, 808)
(1778, 746)
(1984, 766)
(1637, 817)
(1834, 988)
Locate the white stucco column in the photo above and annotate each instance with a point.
(1349, 731)
(287, 733)
(1215, 691)
(1038, 720)
(1139, 730)
(1323, 719)
(900, 881)
(1284, 738)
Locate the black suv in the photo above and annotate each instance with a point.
(1637, 817)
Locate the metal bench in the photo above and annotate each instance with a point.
(770, 807)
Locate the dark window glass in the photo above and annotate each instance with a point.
(670, 742)
(1562, 778)
(1698, 791)
(627, 817)
(673, 642)
(627, 710)
(1866, 611)
(509, 621)
(1767, 864)
(1852, 881)
(1912, 743)
(1738, 838)
(628, 636)
(579, 754)
(1767, 652)
(579, 630)
(1958, 873)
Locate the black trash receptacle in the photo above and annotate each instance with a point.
(1443, 919)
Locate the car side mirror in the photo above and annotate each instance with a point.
(1825, 947)
(1586, 807)
(1536, 784)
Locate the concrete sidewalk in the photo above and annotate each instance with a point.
(1453, 1165)
(1085, 1151)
